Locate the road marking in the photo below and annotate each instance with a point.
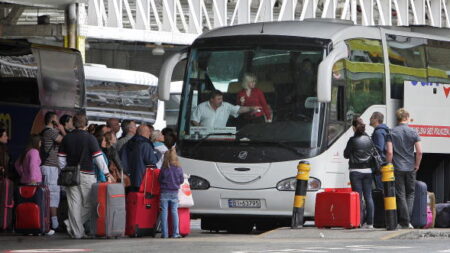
(47, 250)
(353, 248)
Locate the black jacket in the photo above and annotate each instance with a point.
(359, 151)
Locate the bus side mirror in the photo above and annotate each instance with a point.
(165, 74)
(325, 71)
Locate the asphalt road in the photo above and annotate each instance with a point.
(281, 240)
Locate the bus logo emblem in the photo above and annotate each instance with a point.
(243, 155)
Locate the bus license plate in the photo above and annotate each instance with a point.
(244, 203)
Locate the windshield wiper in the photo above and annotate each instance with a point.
(206, 137)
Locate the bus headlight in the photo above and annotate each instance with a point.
(289, 184)
(198, 183)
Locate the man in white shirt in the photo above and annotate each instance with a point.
(215, 113)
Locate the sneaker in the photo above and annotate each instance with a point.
(410, 226)
(51, 232)
(177, 236)
(403, 227)
(368, 226)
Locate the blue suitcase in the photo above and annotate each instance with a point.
(419, 213)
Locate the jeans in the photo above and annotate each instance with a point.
(169, 199)
(378, 182)
(405, 185)
(362, 183)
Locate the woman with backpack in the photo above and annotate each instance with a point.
(359, 151)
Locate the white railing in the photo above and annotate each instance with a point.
(181, 21)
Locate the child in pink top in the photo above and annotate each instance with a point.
(28, 164)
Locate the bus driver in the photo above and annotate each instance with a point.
(214, 113)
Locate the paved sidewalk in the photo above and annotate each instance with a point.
(354, 234)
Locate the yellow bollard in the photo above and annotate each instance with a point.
(298, 211)
(390, 204)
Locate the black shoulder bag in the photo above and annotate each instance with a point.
(376, 161)
(70, 175)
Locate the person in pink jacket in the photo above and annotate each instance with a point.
(28, 164)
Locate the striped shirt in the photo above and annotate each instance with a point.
(208, 117)
(50, 146)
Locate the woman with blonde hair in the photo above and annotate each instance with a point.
(170, 179)
(252, 96)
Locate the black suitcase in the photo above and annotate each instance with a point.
(419, 213)
(379, 213)
(442, 215)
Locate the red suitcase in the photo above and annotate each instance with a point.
(142, 214)
(184, 225)
(337, 208)
(6, 203)
(32, 210)
(150, 182)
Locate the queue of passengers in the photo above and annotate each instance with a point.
(395, 146)
(102, 156)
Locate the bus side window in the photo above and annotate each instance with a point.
(438, 55)
(364, 76)
(407, 62)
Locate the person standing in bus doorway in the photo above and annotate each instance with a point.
(252, 96)
(379, 136)
(215, 113)
(137, 155)
(114, 125)
(51, 137)
(359, 151)
(128, 131)
(81, 148)
(4, 154)
(400, 151)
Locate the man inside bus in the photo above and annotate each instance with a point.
(214, 113)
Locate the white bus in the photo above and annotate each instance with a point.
(316, 75)
(120, 93)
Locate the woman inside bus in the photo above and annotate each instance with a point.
(28, 164)
(252, 96)
(359, 151)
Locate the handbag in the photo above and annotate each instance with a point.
(185, 194)
(376, 161)
(69, 176)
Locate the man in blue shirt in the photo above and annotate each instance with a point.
(400, 150)
(379, 140)
(138, 154)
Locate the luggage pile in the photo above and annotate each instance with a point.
(114, 213)
(340, 207)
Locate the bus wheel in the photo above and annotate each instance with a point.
(240, 226)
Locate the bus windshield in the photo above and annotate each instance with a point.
(266, 95)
